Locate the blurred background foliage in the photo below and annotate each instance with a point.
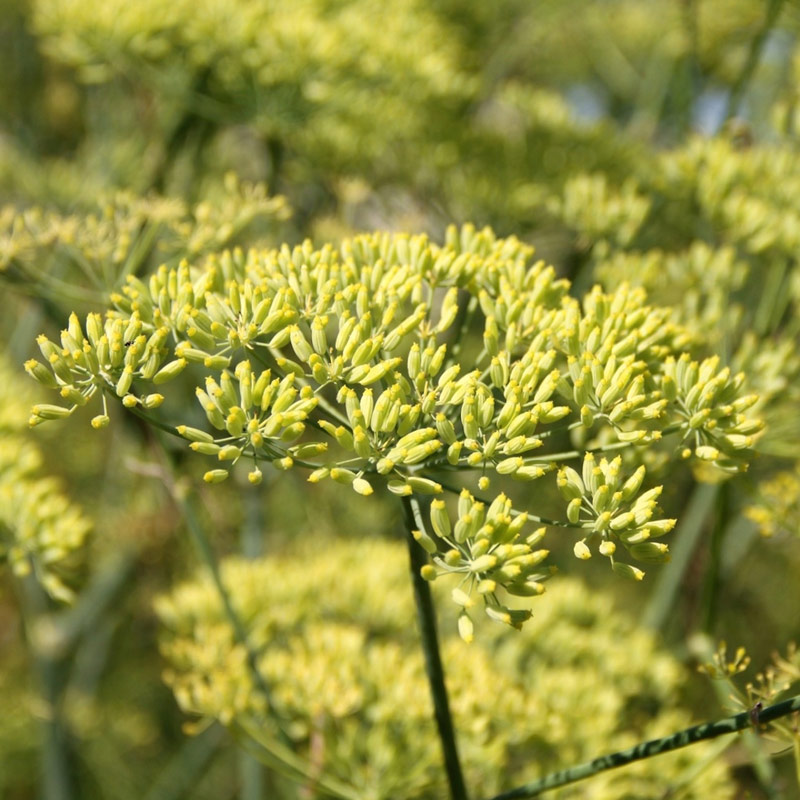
(645, 141)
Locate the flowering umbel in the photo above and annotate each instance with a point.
(392, 360)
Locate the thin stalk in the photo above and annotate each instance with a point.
(711, 583)
(187, 503)
(753, 57)
(56, 780)
(184, 769)
(675, 741)
(285, 761)
(426, 619)
(251, 542)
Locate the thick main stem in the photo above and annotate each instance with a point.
(426, 619)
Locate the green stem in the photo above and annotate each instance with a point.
(56, 777)
(753, 57)
(187, 503)
(251, 771)
(711, 583)
(697, 733)
(184, 769)
(692, 523)
(426, 619)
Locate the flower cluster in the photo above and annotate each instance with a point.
(345, 676)
(120, 233)
(41, 531)
(413, 360)
(710, 410)
(488, 550)
(612, 510)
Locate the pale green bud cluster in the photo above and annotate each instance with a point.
(591, 206)
(487, 548)
(698, 282)
(106, 359)
(777, 506)
(344, 671)
(710, 411)
(41, 532)
(122, 230)
(611, 509)
(365, 343)
(255, 413)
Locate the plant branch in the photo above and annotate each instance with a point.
(426, 619)
(697, 733)
(184, 498)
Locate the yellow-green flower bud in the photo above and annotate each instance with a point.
(73, 395)
(582, 551)
(650, 552)
(235, 421)
(125, 381)
(633, 484)
(205, 448)
(40, 373)
(194, 434)
(454, 453)
(319, 474)
(150, 401)
(622, 521)
(461, 598)
(100, 421)
(423, 485)
(94, 327)
(428, 572)
(200, 338)
(255, 476)
(310, 449)
(415, 455)
(229, 452)
(530, 473)
(508, 466)
(483, 563)
(440, 520)
(627, 571)
(215, 476)
(707, 453)
(554, 414)
(465, 627)
(362, 487)
(344, 476)
(607, 548)
(47, 411)
(169, 371)
(216, 362)
(425, 541)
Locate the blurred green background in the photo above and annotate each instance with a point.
(648, 141)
